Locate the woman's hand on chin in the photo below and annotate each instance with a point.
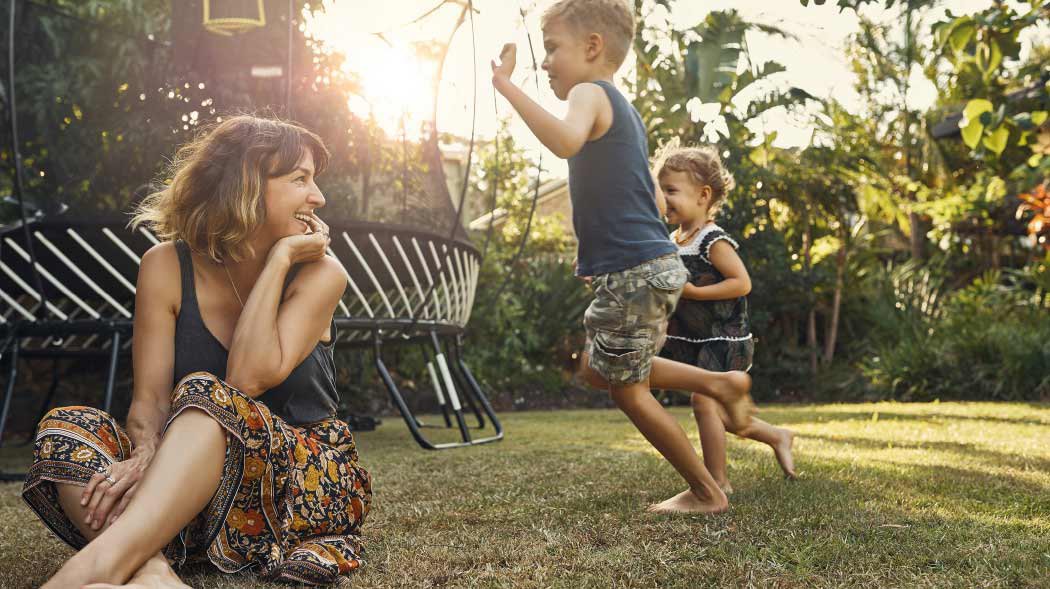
(307, 247)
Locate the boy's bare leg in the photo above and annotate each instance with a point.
(731, 389)
(712, 438)
(179, 483)
(711, 417)
(662, 430)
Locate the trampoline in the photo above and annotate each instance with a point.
(68, 262)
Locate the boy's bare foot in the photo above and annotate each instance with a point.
(688, 502)
(725, 486)
(734, 392)
(782, 449)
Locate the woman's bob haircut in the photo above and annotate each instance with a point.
(212, 195)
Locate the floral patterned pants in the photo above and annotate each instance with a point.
(289, 506)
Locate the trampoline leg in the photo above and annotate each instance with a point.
(467, 395)
(12, 377)
(112, 376)
(475, 388)
(437, 387)
(395, 395)
(450, 387)
(437, 391)
(461, 382)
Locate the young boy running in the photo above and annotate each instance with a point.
(623, 244)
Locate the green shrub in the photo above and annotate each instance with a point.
(524, 342)
(988, 341)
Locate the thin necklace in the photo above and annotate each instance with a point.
(232, 284)
(692, 233)
(687, 237)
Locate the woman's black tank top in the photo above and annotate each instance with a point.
(308, 394)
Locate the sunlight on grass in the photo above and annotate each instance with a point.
(930, 495)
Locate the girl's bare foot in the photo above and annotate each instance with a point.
(734, 392)
(782, 449)
(725, 486)
(689, 502)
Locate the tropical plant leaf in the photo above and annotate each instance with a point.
(989, 56)
(996, 140)
(711, 63)
(961, 34)
(790, 97)
(748, 77)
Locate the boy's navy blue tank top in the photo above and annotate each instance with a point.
(308, 394)
(613, 202)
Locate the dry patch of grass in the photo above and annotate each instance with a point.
(892, 495)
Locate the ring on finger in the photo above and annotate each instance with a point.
(110, 479)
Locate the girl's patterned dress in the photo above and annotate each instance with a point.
(713, 335)
(289, 506)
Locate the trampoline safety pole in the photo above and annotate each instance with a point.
(437, 391)
(450, 386)
(436, 381)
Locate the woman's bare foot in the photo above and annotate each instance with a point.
(688, 502)
(782, 449)
(725, 486)
(72, 574)
(734, 392)
(155, 574)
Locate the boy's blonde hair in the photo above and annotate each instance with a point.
(214, 198)
(704, 167)
(612, 19)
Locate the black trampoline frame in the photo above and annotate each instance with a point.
(370, 331)
(439, 331)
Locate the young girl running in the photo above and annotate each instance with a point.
(710, 327)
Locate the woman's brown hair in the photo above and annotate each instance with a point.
(213, 193)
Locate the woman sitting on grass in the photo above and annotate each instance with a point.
(243, 463)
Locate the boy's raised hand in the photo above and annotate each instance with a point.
(507, 58)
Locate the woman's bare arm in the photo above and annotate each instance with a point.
(153, 357)
(273, 336)
(153, 347)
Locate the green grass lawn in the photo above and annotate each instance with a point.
(891, 495)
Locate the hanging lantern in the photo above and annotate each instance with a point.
(234, 16)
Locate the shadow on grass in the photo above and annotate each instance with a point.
(787, 416)
(966, 452)
(560, 503)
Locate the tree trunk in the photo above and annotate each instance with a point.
(836, 304)
(811, 338)
(918, 237)
(787, 327)
(993, 250)
(811, 320)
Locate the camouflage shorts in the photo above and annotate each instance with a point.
(627, 321)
